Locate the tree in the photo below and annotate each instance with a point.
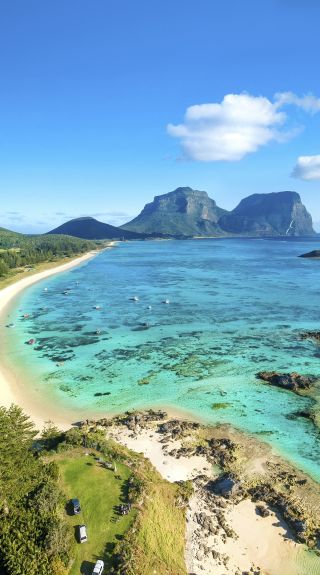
(34, 536)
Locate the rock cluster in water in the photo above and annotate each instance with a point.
(292, 381)
(311, 335)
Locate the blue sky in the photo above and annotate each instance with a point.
(102, 104)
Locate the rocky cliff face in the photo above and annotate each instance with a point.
(183, 212)
(275, 214)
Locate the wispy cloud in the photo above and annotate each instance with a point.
(14, 216)
(307, 168)
(237, 126)
(308, 103)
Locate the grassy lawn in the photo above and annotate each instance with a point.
(99, 492)
(151, 539)
(159, 544)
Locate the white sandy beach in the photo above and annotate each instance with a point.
(10, 391)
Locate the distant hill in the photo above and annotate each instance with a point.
(183, 212)
(91, 229)
(186, 212)
(275, 214)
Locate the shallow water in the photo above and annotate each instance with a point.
(236, 307)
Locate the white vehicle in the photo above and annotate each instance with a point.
(98, 568)
(83, 537)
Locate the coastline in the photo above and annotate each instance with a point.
(226, 534)
(222, 536)
(10, 391)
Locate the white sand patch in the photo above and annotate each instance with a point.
(147, 442)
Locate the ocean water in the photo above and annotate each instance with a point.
(236, 306)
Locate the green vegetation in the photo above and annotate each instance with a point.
(155, 540)
(39, 477)
(220, 405)
(19, 250)
(34, 536)
(155, 543)
(100, 491)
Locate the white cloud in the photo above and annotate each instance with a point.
(307, 168)
(237, 126)
(308, 103)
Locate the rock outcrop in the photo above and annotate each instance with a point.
(313, 254)
(315, 335)
(291, 381)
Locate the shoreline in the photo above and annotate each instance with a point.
(226, 534)
(223, 536)
(10, 391)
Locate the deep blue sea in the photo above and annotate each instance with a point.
(236, 306)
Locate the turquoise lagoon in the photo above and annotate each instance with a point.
(237, 306)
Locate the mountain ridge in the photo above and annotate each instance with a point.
(188, 212)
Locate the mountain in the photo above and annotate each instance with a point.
(275, 214)
(91, 229)
(190, 213)
(183, 212)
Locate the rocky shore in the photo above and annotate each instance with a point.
(249, 512)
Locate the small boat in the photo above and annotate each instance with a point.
(166, 301)
(134, 298)
(66, 292)
(26, 315)
(31, 341)
(97, 307)
(11, 325)
(149, 307)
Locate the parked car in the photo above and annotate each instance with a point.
(124, 508)
(82, 534)
(75, 503)
(98, 568)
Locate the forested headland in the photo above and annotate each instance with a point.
(21, 250)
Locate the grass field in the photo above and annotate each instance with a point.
(151, 539)
(99, 492)
(159, 541)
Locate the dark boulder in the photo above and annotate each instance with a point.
(226, 486)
